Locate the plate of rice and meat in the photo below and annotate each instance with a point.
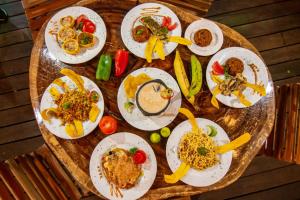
(197, 149)
(123, 166)
(71, 106)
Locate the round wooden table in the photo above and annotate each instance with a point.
(75, 154)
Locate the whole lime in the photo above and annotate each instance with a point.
(165, 132)
(155, 138)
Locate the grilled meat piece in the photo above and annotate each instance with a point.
(154, 27)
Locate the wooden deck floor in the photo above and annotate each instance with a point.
(273, 26)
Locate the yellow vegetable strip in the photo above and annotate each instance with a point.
(214, 100)
(94, 112)
(74, 77)
(178, 174)
(191, 118)
(159, 49)
(61, 84)
(179, 40)
(54, 93)
(243, 139)
(71, 130)
(150, 47)
(257, 88)
(216, 79)
(78, 127)
(242, 98)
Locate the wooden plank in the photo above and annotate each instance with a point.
(260, 13)
(285, 70)
(288, 191)
(20, 147)
(13, 67)
(23, 179)
(13, 83)
(15, 51)
(2, 2)
(9, 38)
(14, 99)
(11, 183)
(13, 8)
(259, 182)
(282, 54)
(4, 192)
(269, 26)
(20, 131)
(226, 6)
(14, 23)
(291, 36)
(295, 79)
(16, 115)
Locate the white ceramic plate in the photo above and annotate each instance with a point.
(55, 126)
(217, 37)
(138, 48)
(86, 54)
(195, 177)
(150, 123)
(248, 57)
(126, 141)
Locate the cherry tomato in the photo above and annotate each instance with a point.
(88, 26)
(172, 27)
(217, 68)
(108, 125)
(139, 157)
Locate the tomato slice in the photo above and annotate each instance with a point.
(88, 26)
(80, 18)
(108, 125)
(139, 157)
(172, 27)
(166, 21)
(217, 68)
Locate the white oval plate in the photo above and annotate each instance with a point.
(126, 141)
(150, 123)
(248, 57)
(138, 48)
(195, 177)
(217, 37)
(87, 53)
(55, 126)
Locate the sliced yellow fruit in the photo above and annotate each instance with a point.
(150, 47)
(159, 49)
(191, 118)
(78, 127)
(257, 88)
(54, 93)
(216, 79)
(94, 112)
(48, 113)
(243, 139)
(179, 40)
(181, 77)
(77, 79)
(71, 130)
(178, 174)
(242, 98)
(214, 100)
(61, 84)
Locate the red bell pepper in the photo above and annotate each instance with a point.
(121, 61)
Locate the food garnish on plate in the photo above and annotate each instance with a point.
(75, 34)
(198, 150)
(122, 168)
(234, 82)
(73, 106)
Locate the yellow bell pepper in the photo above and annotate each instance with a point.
(191, 118)
(54, 93)
(94, 112)
(78, 127)
(71, 130)
(150, 47)
(243, 139)
(179, 40)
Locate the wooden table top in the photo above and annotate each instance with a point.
(75, 154)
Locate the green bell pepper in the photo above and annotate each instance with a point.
(104, 67)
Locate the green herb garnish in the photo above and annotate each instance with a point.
(66, 105)
(226, 74)
(202, 151)
(139, 32)
(133, 150)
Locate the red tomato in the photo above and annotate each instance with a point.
(139, 157)
(217, 68)
(172, 27)
(166, 21)
(88, 26)
(108, 125)
(80, 18)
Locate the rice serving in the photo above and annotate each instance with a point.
(197, 149)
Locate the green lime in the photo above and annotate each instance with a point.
(165, 132)
(155, 138)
